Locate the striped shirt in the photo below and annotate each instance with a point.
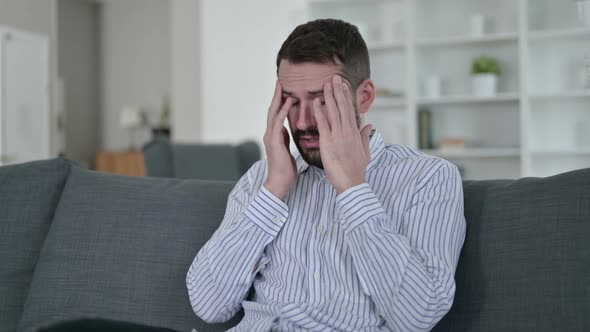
(380, 256)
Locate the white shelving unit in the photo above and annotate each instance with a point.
(467, 99)
(539, 122)
(556, 34)
(459, 41)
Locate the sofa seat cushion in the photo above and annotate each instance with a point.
(525, 265)
(119, 249)
(28, 196)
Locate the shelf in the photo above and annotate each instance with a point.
(561, 95)
(553, 34)
(346, 2)
(457, 41)
(561, 152)
(476, 153)
(452, 100)
(385, 46)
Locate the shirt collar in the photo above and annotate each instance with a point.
(376, 146)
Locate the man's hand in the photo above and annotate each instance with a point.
(282, 170)
(344, 149)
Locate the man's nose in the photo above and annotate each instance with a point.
(305, 116)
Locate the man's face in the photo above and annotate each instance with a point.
(304, 82)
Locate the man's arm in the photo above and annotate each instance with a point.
(222, 272)
(407, 266)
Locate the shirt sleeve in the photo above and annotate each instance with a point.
(406, 264)
(222, 273)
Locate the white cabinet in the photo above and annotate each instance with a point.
(537, 124)
(24, 96)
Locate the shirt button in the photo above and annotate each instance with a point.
(277, 219)
(316, 276)
(320, 229)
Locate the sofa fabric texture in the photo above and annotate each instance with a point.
(525, 264)
(28, 196)
(118, 248)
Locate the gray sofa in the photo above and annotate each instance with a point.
(77, 243)
(164, 158)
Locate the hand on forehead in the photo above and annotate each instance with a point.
(307, 78)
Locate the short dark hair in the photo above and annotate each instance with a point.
(329, 41)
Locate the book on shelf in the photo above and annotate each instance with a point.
(425, 129)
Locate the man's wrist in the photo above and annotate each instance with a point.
(275, 190)
(268, 212)
(351, 184)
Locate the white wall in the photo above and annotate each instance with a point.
(31, 15)
(79, 70)
(185, 36)
(239, 46)
(135, 53)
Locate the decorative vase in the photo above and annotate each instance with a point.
(161, 131)
(432, 86)
(477, 25)
(485, 85)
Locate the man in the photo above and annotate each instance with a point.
(350, 234)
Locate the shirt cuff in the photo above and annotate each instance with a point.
(267, 212)
(356, 206)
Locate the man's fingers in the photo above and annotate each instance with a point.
(275, 103)
(278, 119)
(344, 108)
(351, 107)
(282, 114)
(277, 96)
(320, 118)
(331, 107)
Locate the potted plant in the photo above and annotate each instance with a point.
(485, 71)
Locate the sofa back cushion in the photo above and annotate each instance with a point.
(158, 158)
(206, 161)
(28, 196)
(119, 249)
(199, 161)
(525, 265)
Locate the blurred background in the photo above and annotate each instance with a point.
(501, 88)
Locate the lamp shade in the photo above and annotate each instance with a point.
(130, 117)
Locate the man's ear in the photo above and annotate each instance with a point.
(365, 95)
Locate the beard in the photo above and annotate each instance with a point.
(312, 156)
